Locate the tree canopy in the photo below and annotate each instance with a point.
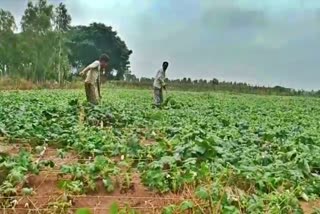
(48, 46)
(88, 42)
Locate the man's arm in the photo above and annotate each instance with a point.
(84, 71)
(93, 65)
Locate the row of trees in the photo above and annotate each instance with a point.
(47, 47)
(215, 84)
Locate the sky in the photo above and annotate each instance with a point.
(269, 42)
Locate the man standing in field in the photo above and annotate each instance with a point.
(159, 84)
(92, 82)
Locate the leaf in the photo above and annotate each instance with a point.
(167, 160)
(202, 193)
(306, 166)
(39, 149)
(61, 153)
(62, 184)
(304, 196)
(108, 184)
(169, 209)
(114, 209)
(185, 205)
(83, 211)
(199, 149)
(27, 191)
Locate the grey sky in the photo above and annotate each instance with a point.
(269, 42)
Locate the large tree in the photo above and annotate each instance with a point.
(88, 42)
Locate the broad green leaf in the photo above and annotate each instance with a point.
(114, 208)
(202, 193)
(186, 205)
(27, 191)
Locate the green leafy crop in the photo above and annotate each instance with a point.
(231, 153)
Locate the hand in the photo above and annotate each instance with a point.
(81, 73)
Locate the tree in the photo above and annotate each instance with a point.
(130, 77)
(87, 43)
(7, 41)
(38, 18)
(45, 28)
(215, 81)
(62, 21)
(36, 26)
(7, 22)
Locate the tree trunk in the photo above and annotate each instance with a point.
(59, 62)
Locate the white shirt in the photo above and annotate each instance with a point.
(94, 72)
(159, 79)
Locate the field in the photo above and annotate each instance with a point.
(202, 153)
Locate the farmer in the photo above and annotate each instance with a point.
(159, 84)
(92, 82)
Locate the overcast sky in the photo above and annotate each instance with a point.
(264, 42)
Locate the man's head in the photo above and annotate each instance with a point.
(165, 65)
(104, 60)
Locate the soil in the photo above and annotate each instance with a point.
(308, 207)
(46, 192)
(147, 142)
(13, 149)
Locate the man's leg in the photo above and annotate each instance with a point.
(157, 99)
(161, 96)
(87, 89)
(91, 94)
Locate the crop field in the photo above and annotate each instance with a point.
(201, 153)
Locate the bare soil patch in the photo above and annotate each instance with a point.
(48, 196)
(309, 207)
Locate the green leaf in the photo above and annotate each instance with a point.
(169, 209)
(83, 211)
(39, 149)
(186, 205)
(27, 191)
(107, 182)
(304, 196)
(61, 153)
(202, 193)
(306, 166)
(199, 149)
(62, 184)
(114, 209)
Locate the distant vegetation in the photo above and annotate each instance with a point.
(187, 84)
(48, 47)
